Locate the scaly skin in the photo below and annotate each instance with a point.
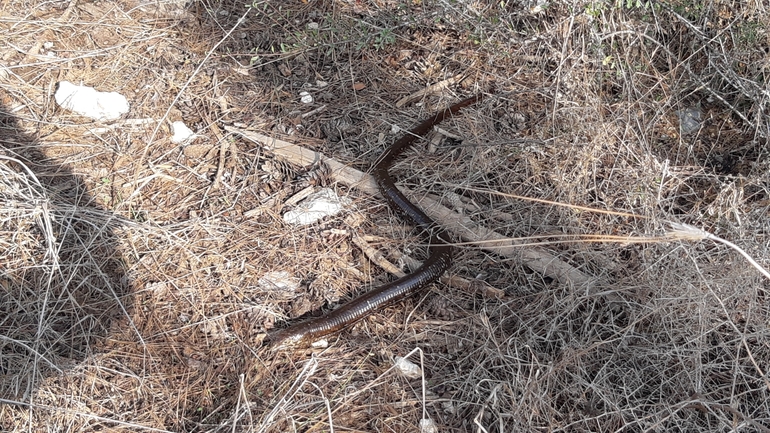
(440, 251)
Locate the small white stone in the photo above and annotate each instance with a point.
(279, 280)
(181, 132)
(539, 7)
(408, 368)
(318, 205)
(320, 344)
(305, 97)
(428, 426)
(89, 102)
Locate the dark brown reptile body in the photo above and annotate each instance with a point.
(439, 259)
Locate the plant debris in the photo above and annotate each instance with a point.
(139, 275)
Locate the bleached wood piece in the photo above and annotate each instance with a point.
(536, 258)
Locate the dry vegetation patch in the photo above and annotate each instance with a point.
(138, 276)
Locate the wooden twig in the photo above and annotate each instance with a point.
(456, 281)
(536, 258)
(441, 85)
(377, 258)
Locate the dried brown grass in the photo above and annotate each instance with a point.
(130, 276)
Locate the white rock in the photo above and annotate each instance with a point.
(320, 344)
(408, 368)
(427, 425)
(89, 102)
(318, 205)
(306, 97)
(279, 281)
(181, 132)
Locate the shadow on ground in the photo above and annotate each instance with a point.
(61, 279)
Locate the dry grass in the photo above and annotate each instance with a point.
(131, 296)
